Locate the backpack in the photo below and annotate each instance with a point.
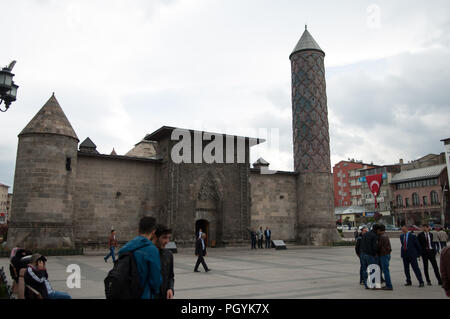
(122, 282)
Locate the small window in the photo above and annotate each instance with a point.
(68, 164)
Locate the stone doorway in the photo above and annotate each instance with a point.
(202, 224)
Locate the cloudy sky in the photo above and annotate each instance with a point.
(122, 69)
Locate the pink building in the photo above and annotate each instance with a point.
(421, 196)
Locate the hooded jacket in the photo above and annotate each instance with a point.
(148, 264)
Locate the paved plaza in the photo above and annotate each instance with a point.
(298, 272)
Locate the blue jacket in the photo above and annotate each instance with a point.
(412, 246)
(148, 265)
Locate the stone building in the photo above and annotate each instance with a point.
(68, 196)
(347, 187)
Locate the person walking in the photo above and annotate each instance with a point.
(358, 253)
(410, 251)
(267, 234)
(147, 257)
(428, 253)
(443, 238)
(445, 270)
(200, 251)
(160, 240)
(260, 235)
(368, 251)
(112, 244)
(384, 255)
(435, 243)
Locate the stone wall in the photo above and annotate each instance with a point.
(113, 192)
(43, 191)
(274, 203)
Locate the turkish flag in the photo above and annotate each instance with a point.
(375, 182)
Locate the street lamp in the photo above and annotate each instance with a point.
(8, 90)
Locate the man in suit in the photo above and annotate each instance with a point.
(428, 253)
(267, 234)
(253, 238)
(200, 251)
(409, 253)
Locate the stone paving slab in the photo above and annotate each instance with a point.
(298, 272)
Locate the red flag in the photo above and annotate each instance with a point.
(375, 182)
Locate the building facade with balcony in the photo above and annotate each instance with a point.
(347, 187)
(421, 196)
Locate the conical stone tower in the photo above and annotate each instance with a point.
(44, 181)
(315, 223)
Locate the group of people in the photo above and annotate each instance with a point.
(439, 239)
(373, 247)
(259, 236)
(154, 263)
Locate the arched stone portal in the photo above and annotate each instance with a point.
(208, 211)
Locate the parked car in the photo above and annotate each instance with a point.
(414, 228)
(392, 227)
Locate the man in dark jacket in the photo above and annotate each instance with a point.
(384, 255)
(409, 253)
(428, 253)
(358, 253)
(368, 251)
(253, 238)
(200, 251)
(161, 238)
(147, 258)
(267, 234)
(37, 278)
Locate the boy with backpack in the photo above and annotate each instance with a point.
(140, 258)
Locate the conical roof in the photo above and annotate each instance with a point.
(306, 42)
(50, 120)
(88, 143)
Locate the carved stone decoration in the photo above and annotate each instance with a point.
(208, 189)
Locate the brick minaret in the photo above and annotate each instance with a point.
(44, 182)
(315, 223)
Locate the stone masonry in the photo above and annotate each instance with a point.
(69, 195)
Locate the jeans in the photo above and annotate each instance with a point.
(361, 266)
(59, 295)
(385, 269)
(267, 242)
(111, 253)
(366, 261)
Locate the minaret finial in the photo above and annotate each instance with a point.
(306, 27)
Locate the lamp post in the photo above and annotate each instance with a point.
(8, 89)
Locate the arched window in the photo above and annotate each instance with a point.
(425, 200)
(434, 198)
(415, 199)
(399, 201)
